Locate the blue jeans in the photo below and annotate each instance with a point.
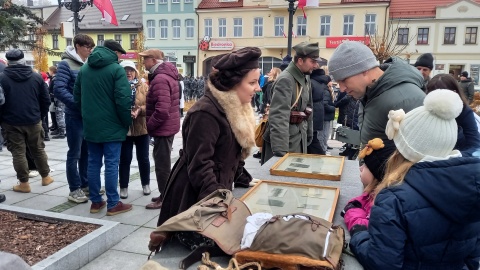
(111, 152)
(142, 144)
(77, 155)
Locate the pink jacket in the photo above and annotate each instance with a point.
(359, 216)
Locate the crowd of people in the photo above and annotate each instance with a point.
(419, 138)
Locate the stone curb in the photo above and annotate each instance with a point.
(80, 252)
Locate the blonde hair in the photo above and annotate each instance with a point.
(274, 74)
(325, 68)
(397, 167)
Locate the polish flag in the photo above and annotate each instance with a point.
(307, 3)
(106, 7)
(284, 35)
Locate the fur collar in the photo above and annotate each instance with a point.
(240, 116)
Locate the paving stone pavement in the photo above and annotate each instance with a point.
(136, 225)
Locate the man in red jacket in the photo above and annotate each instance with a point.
(163, 114)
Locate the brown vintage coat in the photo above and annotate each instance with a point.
(139, 124)
(218, 133)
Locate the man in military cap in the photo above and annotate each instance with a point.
(290, 123)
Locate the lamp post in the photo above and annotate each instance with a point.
(75, 6)
(291, 11)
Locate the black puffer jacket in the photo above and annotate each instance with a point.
(26, 96)
(318, 88)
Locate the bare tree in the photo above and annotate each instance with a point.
(387, 45)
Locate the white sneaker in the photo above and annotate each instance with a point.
(33, 174)
(77, 196)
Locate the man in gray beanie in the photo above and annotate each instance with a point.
(356, 70)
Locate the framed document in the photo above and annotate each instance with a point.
(309, 166)
(281, 198)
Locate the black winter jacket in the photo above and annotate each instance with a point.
(318, 88)
(26, 96)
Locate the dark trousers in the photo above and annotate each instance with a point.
(162, 148)
(30, 161)
(315, 147)
(21, 137)
(45, 126)
(142, 144)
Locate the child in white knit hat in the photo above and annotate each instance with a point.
(426, 213)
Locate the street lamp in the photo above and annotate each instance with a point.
(291, 11)
(75, 6)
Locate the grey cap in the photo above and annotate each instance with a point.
(307, 49)
(349, 59)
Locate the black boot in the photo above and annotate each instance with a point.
(54, 121)
(2, 198)
(60, 135)
(181, 112)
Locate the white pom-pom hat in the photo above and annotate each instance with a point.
(429, 130)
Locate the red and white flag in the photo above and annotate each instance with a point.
(284, 35)
(108, 13)
(307, 3)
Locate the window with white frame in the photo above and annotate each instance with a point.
(55, 42)
(422, 35)
(348, 25)
(301, 26)
(325, 25)
(175, 1)
(163, 29)
(188, 1)
(471, 35)
(69, 42)
(150, 2)
(118, 38)
(100, 40)
(402, 38)
(237, 27)
(163, 1)
(190, 27)
(151, 29)
(133, 41)
(176, 28)
(449, 36)
(258, 27)
(207, 27)
(278, 24)
(222, 27)
(370, 24)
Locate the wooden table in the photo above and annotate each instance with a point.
(349, 184)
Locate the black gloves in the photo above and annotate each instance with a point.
(350, 205)
(356, 229)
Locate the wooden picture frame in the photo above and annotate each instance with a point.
(283, 198)
(309, 166)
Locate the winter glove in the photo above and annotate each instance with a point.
(350, 205)
(356, 229)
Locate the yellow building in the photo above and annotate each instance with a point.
(231, 25)
(129, 19)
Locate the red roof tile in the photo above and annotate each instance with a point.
(206, 4)
(418, 9)
(363, 1)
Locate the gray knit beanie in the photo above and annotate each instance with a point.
(351, 58)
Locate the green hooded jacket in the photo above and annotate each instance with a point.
(103, 94)
(400, 87)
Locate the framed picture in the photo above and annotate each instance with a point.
(309, 166)
(281, 198)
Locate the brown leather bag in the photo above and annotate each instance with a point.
(259, 131)
(218, 216)
(316, 239)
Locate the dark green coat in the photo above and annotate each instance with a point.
(103, 94)
(281, 136)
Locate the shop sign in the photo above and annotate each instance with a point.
(129, 55)
(221, 45)
(439, 66)
(189, 59)
(334, 42)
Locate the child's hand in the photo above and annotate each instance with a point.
(350, 205)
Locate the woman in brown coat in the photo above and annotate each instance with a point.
(137, 134)
(218, 133)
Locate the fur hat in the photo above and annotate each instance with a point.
(376, 154)
(246, 58)
(425, 60)
(351, 58)
(429, 130)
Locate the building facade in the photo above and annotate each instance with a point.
(172, 26)
(446, 28)
(129, 19)
(231, 25)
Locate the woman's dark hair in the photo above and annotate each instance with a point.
(225, 80)
(446, 81)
